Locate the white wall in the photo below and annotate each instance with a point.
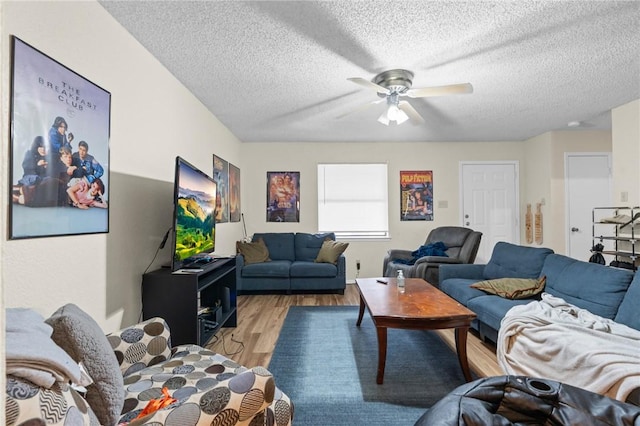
(153, 119)
(626, 153)
(545, 177)
(441, 157)
(537, 186)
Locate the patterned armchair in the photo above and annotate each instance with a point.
(209, 388)
(461, 247)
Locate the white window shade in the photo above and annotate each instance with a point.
(353, 200)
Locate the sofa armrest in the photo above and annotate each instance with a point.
(239, 266)
(465, 270)
(228, 392)
(394, 254)
(141, 345)
(438, 260)
(341, 264)
(28, 403)
(399, 254)
(239, 261)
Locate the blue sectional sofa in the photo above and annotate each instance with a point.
(292, 267)
(608, 292)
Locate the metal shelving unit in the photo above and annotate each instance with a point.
(617, 225)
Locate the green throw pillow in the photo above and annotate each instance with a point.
(331, 251)
(512, 288)
(254, 252)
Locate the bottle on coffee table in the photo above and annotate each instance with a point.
(400, 281)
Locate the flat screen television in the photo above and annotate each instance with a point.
(194, 227)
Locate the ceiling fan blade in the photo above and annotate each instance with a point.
(369, 85)
(361, 108)
(411, 112)
(453, 89)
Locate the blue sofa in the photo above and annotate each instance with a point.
(292, 267)
(608, 292)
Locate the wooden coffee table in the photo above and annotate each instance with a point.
(420, 307)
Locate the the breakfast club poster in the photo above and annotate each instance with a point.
(59, 148)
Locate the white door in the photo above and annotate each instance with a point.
(490, 203)
(587, 184)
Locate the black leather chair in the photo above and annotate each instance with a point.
(520, 400)
(462, 247)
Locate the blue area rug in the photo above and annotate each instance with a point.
(328, 368)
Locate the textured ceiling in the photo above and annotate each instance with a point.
(277, 71)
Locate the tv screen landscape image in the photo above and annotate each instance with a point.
(194, 216)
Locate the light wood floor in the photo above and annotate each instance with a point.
(260, 318)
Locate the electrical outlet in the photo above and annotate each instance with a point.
(358, 265)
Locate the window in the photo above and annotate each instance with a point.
(353, 200)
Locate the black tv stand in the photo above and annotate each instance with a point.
(195, 304)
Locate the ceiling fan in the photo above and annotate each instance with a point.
(393, 84)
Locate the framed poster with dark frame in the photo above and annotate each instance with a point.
(221, 177)
(416, 195)
(283, 196)
(234, 193)
(59, 159)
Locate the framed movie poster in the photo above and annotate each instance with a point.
(283, 196)
(416, 195)
(221, 177)
(59, 160)
(234, 193)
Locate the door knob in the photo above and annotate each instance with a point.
(574, 229)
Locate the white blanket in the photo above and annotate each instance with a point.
(555, 340)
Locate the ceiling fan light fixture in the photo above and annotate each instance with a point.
(399, 115)
(383, 119)
(393, 113)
